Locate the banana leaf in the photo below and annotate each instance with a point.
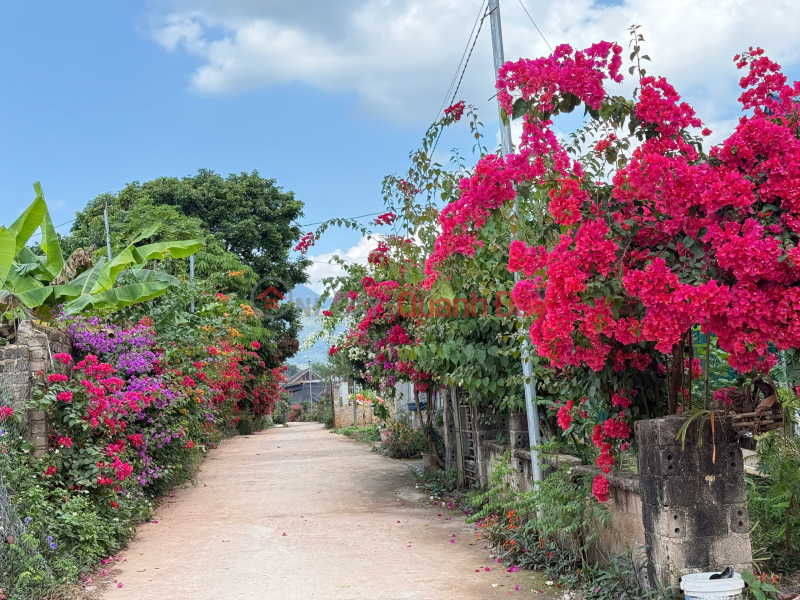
(34, 297)
(49, 243)
(88, 278)
(179, 249)
(143, 275)
(28, 222)
(118, 297)
(8, 245)
(146, 233)
(108, 274)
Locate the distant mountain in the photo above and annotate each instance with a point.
(302, 291)
(306, 298)
(310, 324)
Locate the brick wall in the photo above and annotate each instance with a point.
(19, 364)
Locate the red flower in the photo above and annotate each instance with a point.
(63, 358)
(600, 488)
(57, 378)
(305, 243)
(50, 471)
(5, 412)
(564, 418)
(114, 505)
(255, 346)
(456, 110)
(64, 396)
(65, 441)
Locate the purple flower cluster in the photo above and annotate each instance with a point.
(91, 335)
(137, 362)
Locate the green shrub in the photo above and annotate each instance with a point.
(404, 442)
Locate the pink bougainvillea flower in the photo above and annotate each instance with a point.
(63, 358)
(513, 569)
(255, 346)
(64, 396)
(452, 541)
(49, 471)
(57, 378)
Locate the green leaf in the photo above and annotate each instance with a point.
(519, 108)
(35, 296)
(146, 233)
(180, 249)
(118, 297)
(8, 245)
(108, 274)
(143, 275)
(28, 222)
(49, 243)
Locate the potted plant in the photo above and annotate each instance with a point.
(380, 410)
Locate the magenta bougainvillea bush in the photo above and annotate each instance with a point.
(654, 236)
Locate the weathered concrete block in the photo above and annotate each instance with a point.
(693, 499)
(730, 549)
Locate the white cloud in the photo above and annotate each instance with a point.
(399, 55)
(321, 269)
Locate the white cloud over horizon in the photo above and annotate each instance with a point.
(399, 55)
(321, 269)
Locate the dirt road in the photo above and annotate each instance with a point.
(299, 512)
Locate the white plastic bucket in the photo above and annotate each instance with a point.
(698, 586)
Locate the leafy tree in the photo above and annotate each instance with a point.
(244, 221)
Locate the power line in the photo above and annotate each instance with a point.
(463, 71)
(535, 25)
(56, 227)
(303, 225)
(461, 60)
(345, 218)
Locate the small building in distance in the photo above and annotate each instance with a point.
(305, 385)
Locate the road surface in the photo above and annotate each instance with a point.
(298, 513)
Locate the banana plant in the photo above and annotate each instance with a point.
(30, 278)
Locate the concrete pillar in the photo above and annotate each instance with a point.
(450, 451)
(694, 503)
(518, 431)
(484, 431)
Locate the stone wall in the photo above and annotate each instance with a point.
(19, 364)
(624, 505)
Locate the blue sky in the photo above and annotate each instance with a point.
(325, 97)
(89, 102)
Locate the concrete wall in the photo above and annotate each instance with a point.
(344, 416)
(694, 498)
(624, 505)
(688, 505)
(20, 365)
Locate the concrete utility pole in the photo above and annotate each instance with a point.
(529, 381)
(333, 408)
(108, 235)
(310, 395)
(191, 276)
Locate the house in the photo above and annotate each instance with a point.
(305, 385)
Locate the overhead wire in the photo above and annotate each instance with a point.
(535, 25)
(464, 69)
(478, 20)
